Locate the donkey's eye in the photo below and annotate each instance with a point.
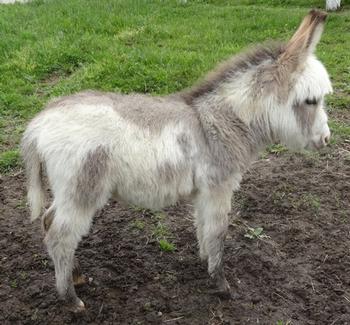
(311, 101)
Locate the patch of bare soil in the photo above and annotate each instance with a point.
(299, 274)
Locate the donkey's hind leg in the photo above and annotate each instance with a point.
(66, 230)
(212, 209)
(78, 277)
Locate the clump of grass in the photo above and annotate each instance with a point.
(311, 201)
(138, 224)
(138, 209)
(241, 201)
(23, 275)
(9, 160)
(278, 197)
(162, 233)
(166, 246)
(159, 216)
(276, 149)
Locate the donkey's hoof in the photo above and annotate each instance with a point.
(224, 294)
(78, 306)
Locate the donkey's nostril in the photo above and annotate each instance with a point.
(326, 139)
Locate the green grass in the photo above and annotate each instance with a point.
(50, 48)
(340, 131)
(166, 246)
(255, 233)
(8, 160)
(138, 224)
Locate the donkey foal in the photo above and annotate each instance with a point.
(151, 151)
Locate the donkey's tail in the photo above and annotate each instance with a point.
(33, 166)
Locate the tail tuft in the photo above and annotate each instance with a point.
(33, 166)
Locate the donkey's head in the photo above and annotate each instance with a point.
(302, 82)
(278, 90)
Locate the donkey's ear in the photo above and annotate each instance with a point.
(304, 40)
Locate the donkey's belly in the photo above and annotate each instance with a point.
(155, 192)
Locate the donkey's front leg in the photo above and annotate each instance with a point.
(212, 207)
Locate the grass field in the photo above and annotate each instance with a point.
(53, 48)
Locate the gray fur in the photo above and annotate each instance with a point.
(91, 177)
(305, 115)
(239, 64)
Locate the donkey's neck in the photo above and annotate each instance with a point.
(233, 144)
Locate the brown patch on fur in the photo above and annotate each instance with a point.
(167, 172)
(151, 113)
(91, 176)
(305, 116)
(232, 144)
(170, 173)
(184, 142)
(238, 64)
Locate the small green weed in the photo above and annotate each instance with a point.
(255, 233)
(159, 215)
(138, 209)
(44, 262)
(278, 197)
(14, 283)
(276, 149)
(311, 201)
(138, 224)
(160, 231)
(23, 275)
(281, 322)
(166, 246)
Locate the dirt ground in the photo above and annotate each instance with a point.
(299, 274)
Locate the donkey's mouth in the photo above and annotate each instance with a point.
(315, 146)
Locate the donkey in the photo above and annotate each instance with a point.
(152, 151)
(333, 4)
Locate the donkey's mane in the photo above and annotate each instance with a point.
(237, 64)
